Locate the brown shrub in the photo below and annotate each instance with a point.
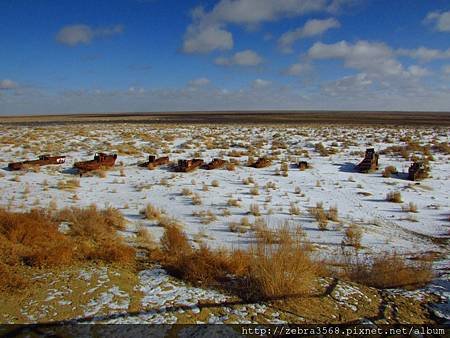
(175, 242)
(353, 236)
(319, 214)
(332, 214)
(145, 238)
(114, 218)
(394, 196)
(263, 272)
(388, 270)
(33, 239)
(282, 270)
(11, 279)
(151, 212)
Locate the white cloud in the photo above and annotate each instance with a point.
(201, 81)
(208, 30)
(373, 58)
(203, 40)
(73, 35)
(257, 11)
(439, 20)
(247, 58)
(425, 54)
(297, 69)
(356, 85)
(260, 83)
(7, 84)
(417, 71)
(311, 28)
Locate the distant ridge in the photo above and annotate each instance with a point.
(244, 117)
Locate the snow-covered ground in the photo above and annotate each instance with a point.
(332, 180)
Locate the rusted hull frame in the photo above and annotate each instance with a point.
(194, 164)
(261, 163)
(54, 160)
(214, 164)
(104, 161)
(156, 163)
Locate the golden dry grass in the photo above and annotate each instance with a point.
(33, 239)
(394, 196)
(387, 270)
(264, 271)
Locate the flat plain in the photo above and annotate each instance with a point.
(352, 246)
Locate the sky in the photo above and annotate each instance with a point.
(83, 56)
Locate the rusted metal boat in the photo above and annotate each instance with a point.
(154, 162)
(188, 165)
(418, 171)
(101, 160)
(261, 163)
(41, 161)
(370, 161)
(216, 163)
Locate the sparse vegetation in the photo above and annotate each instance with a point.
(394, 196)
(33, 239)
(410, 207)
(151, 212)
(353, 236)
(254, 209)
(387, 270)
(264, 272)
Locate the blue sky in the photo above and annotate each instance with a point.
(155, 55)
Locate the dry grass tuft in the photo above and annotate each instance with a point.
(33, 239)
(388, 270)
(71, 184)
(410, 207)
(319, 214)
(332, 214)
(196, 199)
(254, 209)
(282, 270)
(265, 271)
(394, 196)
(233, 202)
(353, 236)
(151, 212)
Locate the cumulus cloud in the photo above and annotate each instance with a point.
(246, 58)
(297, 69)
(373, 58)
(7, 84)
(208, 30)
(439, 20)
(354, 85)
(313, 27)
(73, 35)
(200, 39)
(260, 83)
(425, 54)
